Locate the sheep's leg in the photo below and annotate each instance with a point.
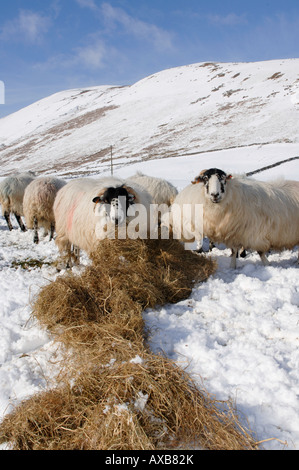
(233, 262)
(72, 256)
(200, 246)
(263, 258)
(76, 254)
(7, 218)
(35, 228)
(237, 254)
(52, 229)
(68, 257)
(20, 222)
(64, 247)
(211, 245)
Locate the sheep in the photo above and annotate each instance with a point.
(12, 191)
(38, 203)
(162, 191)
(242, 212)
(241, 253)
(87, 210)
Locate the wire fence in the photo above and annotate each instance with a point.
(113, 163)
(250, 173)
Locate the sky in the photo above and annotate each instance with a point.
(54, 45)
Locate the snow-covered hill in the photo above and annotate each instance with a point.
(189, 109)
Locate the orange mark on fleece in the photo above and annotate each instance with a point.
(70, 214)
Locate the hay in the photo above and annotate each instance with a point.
(107, 299)
(133, 405)
(152, 271)
(112, 392)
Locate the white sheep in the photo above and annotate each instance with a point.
(12, 191)
(38, 204)
(87, 210)
(162, 191)
(242, 212)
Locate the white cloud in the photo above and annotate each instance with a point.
(112, 16)
(29, 26)
(141, 29)
(92, 55)
(87, 4)
(230, 19)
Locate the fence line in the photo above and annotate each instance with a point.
(250, 173)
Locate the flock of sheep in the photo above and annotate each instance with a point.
(237, 211)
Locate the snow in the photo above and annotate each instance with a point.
(238, 333)
(195, 108)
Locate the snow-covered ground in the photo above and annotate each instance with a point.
(238, 333)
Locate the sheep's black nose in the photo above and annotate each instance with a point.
(114, 220)
(215, 197)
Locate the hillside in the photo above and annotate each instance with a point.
(185, 110)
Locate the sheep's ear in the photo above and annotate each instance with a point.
(198, 179)
(132, 198)
(98, 199)
(131, 193)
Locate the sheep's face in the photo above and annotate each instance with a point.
(117, 202)
(214, 181)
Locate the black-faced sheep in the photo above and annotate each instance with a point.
(12, 191)
(38, 204)
(87, 210)
(242, 212)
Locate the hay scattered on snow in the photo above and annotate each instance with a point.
(142, 404)
(126, 276)
(113, 393)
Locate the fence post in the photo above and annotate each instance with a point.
(111, 161)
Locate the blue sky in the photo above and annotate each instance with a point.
(49, 46)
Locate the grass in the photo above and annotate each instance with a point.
(30, 263)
